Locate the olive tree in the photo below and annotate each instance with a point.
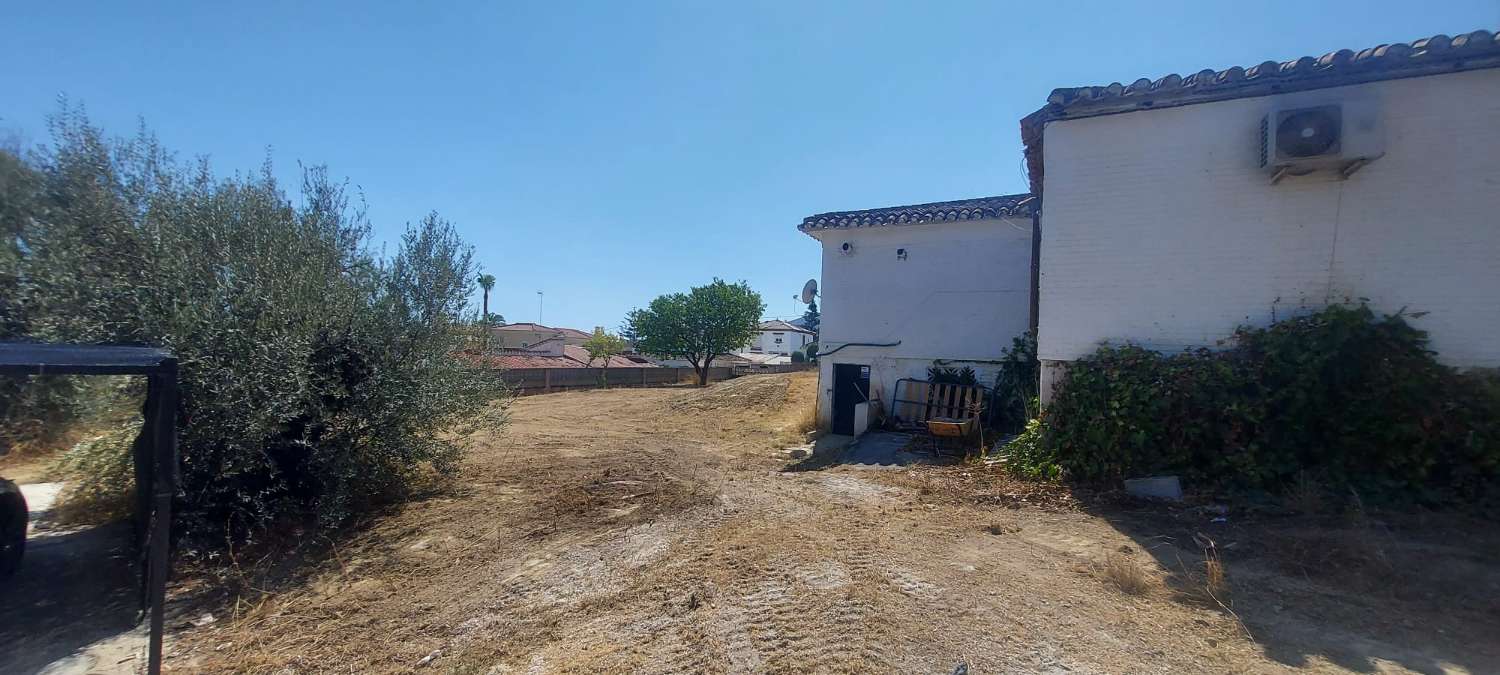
(706, 322)
(319, 378)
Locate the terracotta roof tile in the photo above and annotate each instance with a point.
(528, 326)
(1002, 206)
(582, 356)
(521, 359)
(572, 357)
(1426, 56)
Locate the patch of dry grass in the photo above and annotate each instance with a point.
(748, 391)
(802, 420)
(524, 547)
(806, 418)
(1354, 557)
(980, 484)
(1125, 573)
(1305, 496)
(1213, 584)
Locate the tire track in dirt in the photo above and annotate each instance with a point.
(665, 542)
(768, 593)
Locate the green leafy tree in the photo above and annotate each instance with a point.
(706, 322)
(487, 282)
(602, 346)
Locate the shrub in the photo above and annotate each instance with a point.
(1016, 385)
(1355, 399)
(1029, 457)
(100, 476)
(318, 378)
(938, 374)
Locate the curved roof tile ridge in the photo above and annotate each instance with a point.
(1000, 206)
(1432, 55)
(1392, 60)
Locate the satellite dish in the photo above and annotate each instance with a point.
(809, 291)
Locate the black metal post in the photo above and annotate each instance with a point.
(163, 489)
(1036, 265)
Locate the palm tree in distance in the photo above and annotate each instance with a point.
(486, 282)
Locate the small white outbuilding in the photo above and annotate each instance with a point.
(907, 287)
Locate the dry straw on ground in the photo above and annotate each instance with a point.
(613, 531)
(1125, 573)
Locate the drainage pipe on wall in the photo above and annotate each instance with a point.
(857, 344)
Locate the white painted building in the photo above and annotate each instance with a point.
(906, 286)
(779, 337)
(1160, 226)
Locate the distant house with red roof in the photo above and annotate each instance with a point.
(556, 350)
(528, 335)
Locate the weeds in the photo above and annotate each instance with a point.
(100, 475)
(1211, 584)
(1354, 556)
(803, 422)
(1125, 573)
(1029, 456)
(1304, 496)
(807, 419)
(1215, 582)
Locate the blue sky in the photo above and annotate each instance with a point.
(609, 152)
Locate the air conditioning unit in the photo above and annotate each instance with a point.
(1341, 137)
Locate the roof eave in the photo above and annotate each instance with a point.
(1080, 109)
(932, 213)
(1436, 55)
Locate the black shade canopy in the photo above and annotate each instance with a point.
(154, 451)
(19, 358)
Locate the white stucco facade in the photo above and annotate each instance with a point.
(779, 341)
(1160, 229)
(952, 291)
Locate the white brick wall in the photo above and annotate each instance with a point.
(1159, 228)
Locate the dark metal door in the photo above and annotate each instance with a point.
(851, 387)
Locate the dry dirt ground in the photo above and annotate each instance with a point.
(658, 530)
